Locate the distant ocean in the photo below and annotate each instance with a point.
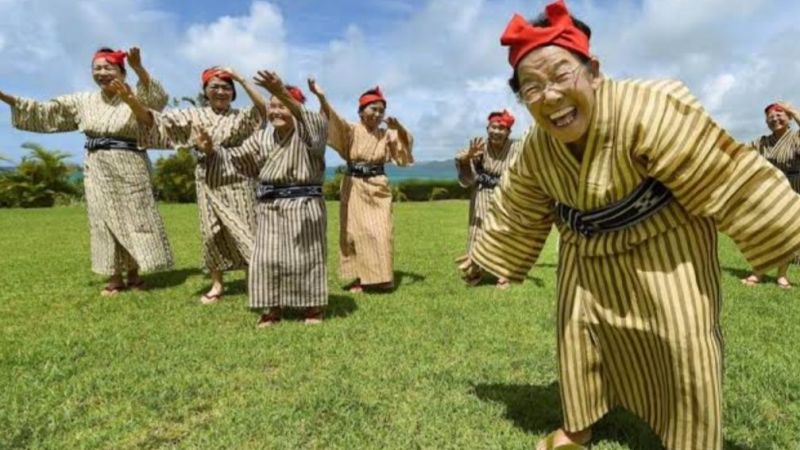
(424, 170)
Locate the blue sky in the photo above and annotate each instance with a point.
(439, 61)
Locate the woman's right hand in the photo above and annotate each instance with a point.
(315, 88)
(202, 140)
(8, 99)
(476, 147)
(123, 90)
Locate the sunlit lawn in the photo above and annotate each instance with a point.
(432, 365)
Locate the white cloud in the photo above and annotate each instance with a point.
(440, 63)
(247, 43)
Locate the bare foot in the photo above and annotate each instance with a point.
(314, 316)
(503, 284)
(273, 317)
(784, 283)
(210, 297)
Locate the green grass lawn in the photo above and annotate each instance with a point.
(433, 365)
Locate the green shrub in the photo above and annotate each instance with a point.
(39, 180)
(173, 179)
(331, 188)
(425, 190)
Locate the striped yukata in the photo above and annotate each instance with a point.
(126, 229)
(366, 232)
(288, 265)
(491, 163)
(225, 198)
(783, 153)
(638, 309)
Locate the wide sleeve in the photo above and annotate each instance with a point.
(313, 130)
(248, 121)
(466, 172)
(712, 175)
(340, 134)
(57, 115)
(152, 94)
(170, 129)
(248, 158)
(400, 151)
(519, 220)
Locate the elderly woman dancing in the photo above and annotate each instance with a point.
(127, 233)
(481, 166)
(288, 267)
(782, 149)
(365, 224)
(638, 178)
(225, 198)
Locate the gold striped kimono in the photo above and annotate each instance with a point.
(494, 164)
(225, 198)
(125, 227)
(366, 232)
(288, 265)
(638, 309)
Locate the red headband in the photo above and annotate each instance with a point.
(116, 58)
(503, 117)
(521, 37)
(296, 93)
(212, 72)
(774, 106)
(371, 96)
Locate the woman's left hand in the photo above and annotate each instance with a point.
(392, 123)
(135, 58)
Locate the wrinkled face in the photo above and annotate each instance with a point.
(372, 114)
(777, 120)
(104, 73)
(219, 93)
(497, 134)
(279, 115)
(558, 90)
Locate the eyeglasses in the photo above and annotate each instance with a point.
(533, 92)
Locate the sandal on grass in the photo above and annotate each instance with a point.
(110, 290)
(549, 440)
(269, 319)
(207, 299)
(314, 316)
(784, 283)
(752, 280)
(138, 285)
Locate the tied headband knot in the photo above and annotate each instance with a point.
(503, 117)
(217, 72)
(521, 37)
(371, 96)
(296, 93)
(113, 57)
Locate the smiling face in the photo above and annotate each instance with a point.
(558, 90)
(279, 115)
(219, 93)
(777, 120)
(497, 134)
(372, 115)
(104, 73)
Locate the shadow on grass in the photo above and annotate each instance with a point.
(537, 409)
(740, 273)
(235, 287)
(168, 279)
(339, 306)
(400, 277)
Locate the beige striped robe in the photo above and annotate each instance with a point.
(366, 231)
(493, 163)
(125, 227)
(638, 309)
(783, 153)
(288, 266)
(225, 198)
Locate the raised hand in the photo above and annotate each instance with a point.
(123, 90)
(202, 140)
(7, 98)
(790, 110)
(269, 81)
(392, 123)
(234, 74)
(315, 88)
(135, 58)
(476, 147)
